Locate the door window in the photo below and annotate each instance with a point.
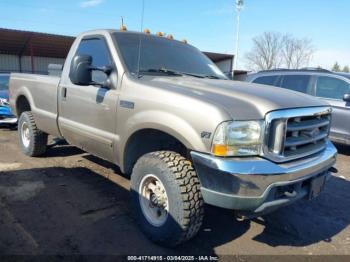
(266, 80)
(299, 83)
(330, 87)
(98, 50)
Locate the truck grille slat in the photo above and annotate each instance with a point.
(302, 140)
(308, 124)
(296, 133)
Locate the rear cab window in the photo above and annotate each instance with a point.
(299, 83)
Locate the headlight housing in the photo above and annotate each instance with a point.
(238, 138)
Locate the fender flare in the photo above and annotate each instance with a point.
(165, 122)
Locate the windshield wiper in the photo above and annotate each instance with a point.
(162, 70)
(170, 72)
(195, 75)
(212, 77)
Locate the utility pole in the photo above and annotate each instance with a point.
(239, 6)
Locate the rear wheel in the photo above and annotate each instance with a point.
(166, 198)
(33, 141)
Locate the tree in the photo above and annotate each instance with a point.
(272, 50)
(296, 52)
(265, 53)
(336, 67)
(346, 69)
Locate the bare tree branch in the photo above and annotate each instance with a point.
(272, 50)
(265, 52)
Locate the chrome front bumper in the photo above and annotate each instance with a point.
(250, 183)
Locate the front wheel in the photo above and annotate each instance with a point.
(33, 141)
(166, 198)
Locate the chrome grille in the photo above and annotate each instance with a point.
(296, 133)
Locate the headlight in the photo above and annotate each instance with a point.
(238, 138)
(3, 102)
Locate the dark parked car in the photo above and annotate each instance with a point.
(6, 116)
(331, 87)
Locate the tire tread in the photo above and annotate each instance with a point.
(187, 180)
(39, 137)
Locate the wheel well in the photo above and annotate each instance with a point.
(22, 105)
(150, 140)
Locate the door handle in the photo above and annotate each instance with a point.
(64, 93)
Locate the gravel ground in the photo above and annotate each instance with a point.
(65, 204)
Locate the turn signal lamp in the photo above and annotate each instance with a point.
(220, 150)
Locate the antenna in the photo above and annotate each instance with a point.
(122, 21)
(140, 39)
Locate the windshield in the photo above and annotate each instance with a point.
(4, 82)
(160, 55)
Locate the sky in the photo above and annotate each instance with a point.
(206, 24)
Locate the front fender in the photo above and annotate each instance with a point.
(166, 122)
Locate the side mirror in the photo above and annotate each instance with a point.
(81, 71)
(346, 97)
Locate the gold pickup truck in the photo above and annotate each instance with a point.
(184, 132)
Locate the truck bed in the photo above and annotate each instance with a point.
(41, 91)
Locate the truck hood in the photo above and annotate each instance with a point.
(241, 100)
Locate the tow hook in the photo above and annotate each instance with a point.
(240, 217)
(333, 170)
(245, 216)
(290, 194)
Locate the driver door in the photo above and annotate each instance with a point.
(87, 116)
